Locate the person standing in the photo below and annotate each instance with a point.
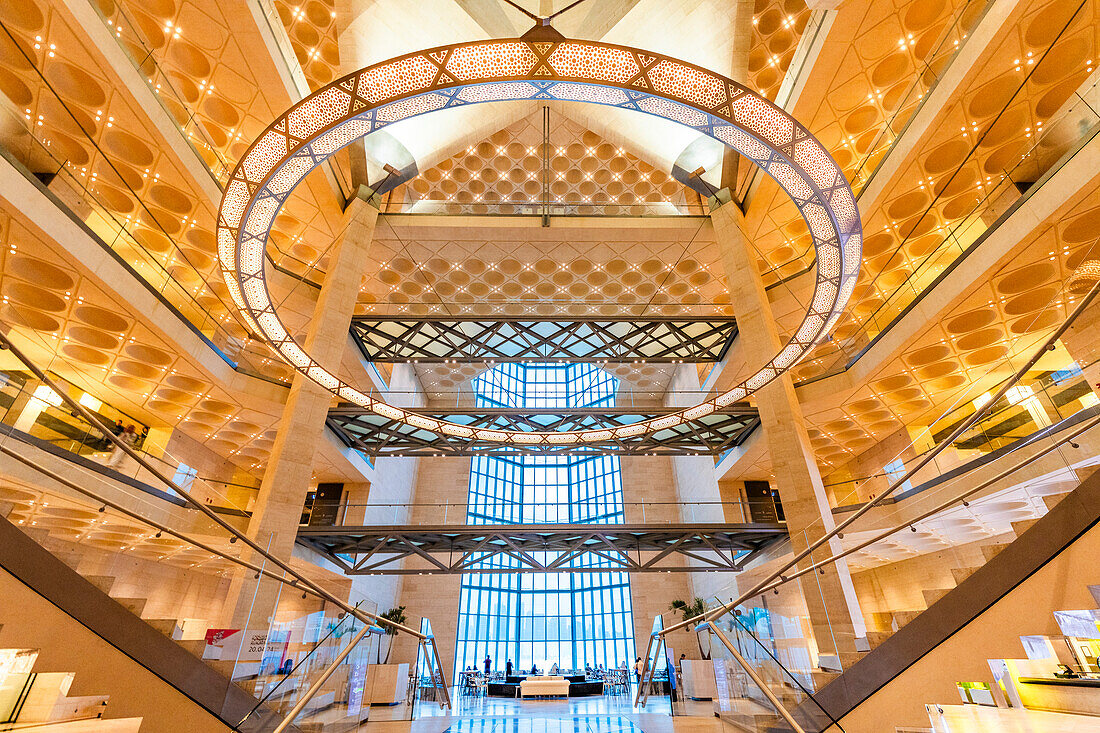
(638, 669)
(488, 662)
(118, 456)
(508, 668)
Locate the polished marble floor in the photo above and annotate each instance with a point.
(542, 722)
(575, 724)
(602, 714)
(484, 706)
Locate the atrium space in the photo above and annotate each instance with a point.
(549, 366)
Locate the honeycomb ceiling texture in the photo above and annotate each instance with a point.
(1011, 116)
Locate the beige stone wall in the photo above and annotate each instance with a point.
(29, 621)
(1061, 584)
(439, 481)
(172, 591)
(735, 508)
(694, 482)
(649, 491)
(394, 483)
(899, 585)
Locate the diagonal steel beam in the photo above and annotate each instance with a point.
(432, 339)
(666, 552)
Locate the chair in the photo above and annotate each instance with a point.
(617, 681)
(469, 683)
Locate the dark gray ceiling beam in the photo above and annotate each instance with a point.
(438, 340)
(542, 548)
(376, 435)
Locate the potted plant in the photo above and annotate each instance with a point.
(696, 607)
(397, 616)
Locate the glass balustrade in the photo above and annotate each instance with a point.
(1042, 154)
(31, 410)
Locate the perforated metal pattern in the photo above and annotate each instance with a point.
(500, 70)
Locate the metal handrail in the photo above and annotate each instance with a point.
(1048, 345)
(647, 672)
(321, 680)
(779, 577)
(938, 508)
(752, 673)
(771, 655)
(302, 662)
(297, 579)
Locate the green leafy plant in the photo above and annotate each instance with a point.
(696, 607)
(689, 610)
(397, 616)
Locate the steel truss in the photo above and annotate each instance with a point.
(377, 435)
(542, 548)
(479, 339)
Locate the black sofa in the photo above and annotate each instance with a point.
(578, 686)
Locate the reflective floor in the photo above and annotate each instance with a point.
(543, 723)
(585, 724)
(482, 706)
(598, 714)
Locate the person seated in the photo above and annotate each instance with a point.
(554, 668)
(534, 669)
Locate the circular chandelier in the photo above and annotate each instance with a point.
(536, 68)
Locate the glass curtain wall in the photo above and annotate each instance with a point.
(571, 619)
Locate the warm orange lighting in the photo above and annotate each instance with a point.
(536, 68)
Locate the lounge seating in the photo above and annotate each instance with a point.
(544, 687)
(579, 686)
(503, 689)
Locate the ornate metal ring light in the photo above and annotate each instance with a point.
(537, 66)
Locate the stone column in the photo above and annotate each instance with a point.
(1082, 341)
(278, 508)
(695, 479)
(830, 597)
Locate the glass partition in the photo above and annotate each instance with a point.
(37, 414)
(174, 566)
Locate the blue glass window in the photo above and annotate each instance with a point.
(571, 619)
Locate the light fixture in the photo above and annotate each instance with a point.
(43, 393)
(543, 66)
(1084, 278)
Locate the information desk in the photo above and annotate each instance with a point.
(1056, 694)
